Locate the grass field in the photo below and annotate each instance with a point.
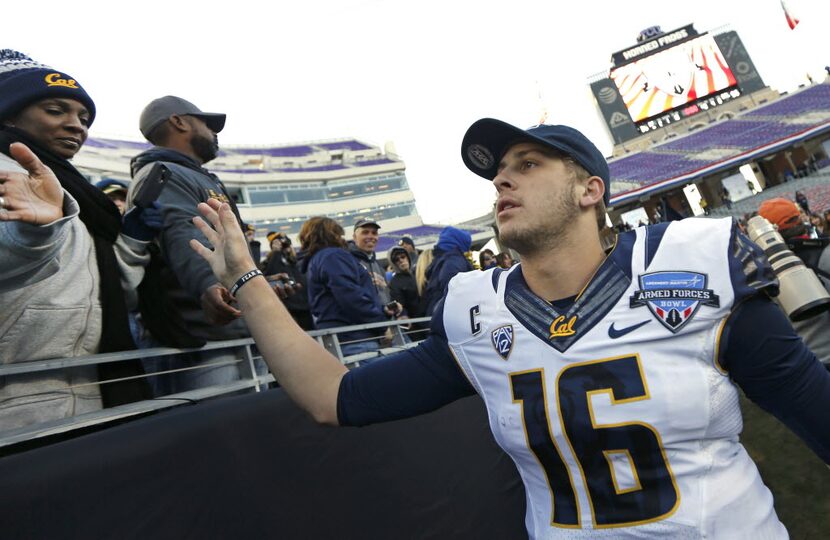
(798, 479)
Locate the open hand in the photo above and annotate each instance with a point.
(36, 198)
(230, 257)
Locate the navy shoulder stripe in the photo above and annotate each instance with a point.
(749, 268)
(654, 235)
(495, 276)
(437, 322)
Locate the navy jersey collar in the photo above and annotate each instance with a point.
(561, 328)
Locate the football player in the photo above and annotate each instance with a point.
(609, 377)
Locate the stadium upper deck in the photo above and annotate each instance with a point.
(726, 145)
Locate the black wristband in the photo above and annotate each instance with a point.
(243, 280)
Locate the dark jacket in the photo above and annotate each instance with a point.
(371, 264)
(341, 293)
(404, 288)
(277, 263)
(448, 260)
(184, 275)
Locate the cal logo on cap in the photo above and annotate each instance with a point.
(55, 79)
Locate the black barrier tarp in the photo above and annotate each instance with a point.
(254, 466)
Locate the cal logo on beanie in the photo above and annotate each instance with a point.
(24, 81)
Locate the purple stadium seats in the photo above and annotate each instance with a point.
(815, 98)
(759, 128)
(344, 145)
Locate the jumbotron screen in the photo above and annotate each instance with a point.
(672, 78)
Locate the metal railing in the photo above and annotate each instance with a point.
(246, 355)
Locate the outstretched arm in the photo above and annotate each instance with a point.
(309, 374)
(777, 371)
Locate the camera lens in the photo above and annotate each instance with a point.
(801, 294)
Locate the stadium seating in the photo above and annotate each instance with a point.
(653, 166)
(287, 151)
(814, 98)
(345, 145)
(367, 162)
(815, 187)
(736, 133)
(787, 117)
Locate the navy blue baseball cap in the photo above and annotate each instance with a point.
(487, 140)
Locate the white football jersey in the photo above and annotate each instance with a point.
(616, 412)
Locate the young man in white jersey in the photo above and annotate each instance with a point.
(607, 376)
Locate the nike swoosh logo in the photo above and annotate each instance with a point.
(613, 333)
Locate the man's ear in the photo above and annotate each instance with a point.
(592, 192)
(179, 123)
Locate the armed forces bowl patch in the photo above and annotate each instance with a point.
(674, 297)
(502, 338)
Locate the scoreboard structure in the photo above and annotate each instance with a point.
(670, 76)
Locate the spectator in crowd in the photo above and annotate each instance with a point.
(448, 260)
(504, 260)
(724, 195)
(281, 266)
(486, 259)
(186, 306)
(116, 190)
(408, 244)
(804, 216)
(67, 282)
(340, 290)
(704, 205)
(253, 244)
(786, 216)
(365, 238)
(819, 224)
(403, 286)
(802, 201)
(425, 259)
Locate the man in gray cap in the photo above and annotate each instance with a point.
(192, 306)
(362, 247)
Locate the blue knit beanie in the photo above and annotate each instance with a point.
(24, 81)
(452, 238)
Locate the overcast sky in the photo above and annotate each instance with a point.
(415, 73)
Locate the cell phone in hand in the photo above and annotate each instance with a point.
(281, 282)
(151, 187)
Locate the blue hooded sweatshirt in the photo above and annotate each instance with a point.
(448, 260)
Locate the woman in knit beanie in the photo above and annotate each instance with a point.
(80, 307)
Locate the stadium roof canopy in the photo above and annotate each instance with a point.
(723, 146)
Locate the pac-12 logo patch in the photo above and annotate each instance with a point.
(674, 297)
(502, 338)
